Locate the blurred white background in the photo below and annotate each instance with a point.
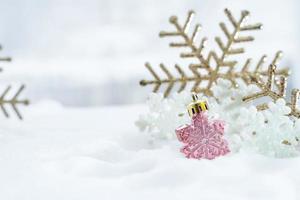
(92, 52)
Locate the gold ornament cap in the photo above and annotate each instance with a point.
(197, 106)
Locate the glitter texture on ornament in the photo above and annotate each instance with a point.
(202, 138)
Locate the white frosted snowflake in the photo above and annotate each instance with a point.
(277, 136)
(164, 115)
(270, 132)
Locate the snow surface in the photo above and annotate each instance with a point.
(77, 154)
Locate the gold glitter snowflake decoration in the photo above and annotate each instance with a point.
(13, 101)
(208, 68)
(274, 89)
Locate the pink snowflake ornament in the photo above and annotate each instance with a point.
(202, 138)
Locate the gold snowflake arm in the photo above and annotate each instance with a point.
(294, 103)
(248, 75)
(268, 90)
(196, 50)
(188, 40)
(279, 72)
(4, 59)
(182, 79)
(227, 48)
(13, 102)
(233, 38)
(7, 59)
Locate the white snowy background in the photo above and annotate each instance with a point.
(81, 61)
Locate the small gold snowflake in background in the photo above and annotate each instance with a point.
(13, 101)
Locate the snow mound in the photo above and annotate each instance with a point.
(77, 154)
